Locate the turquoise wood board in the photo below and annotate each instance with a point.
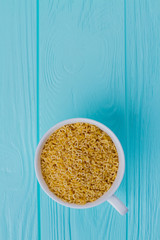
(93, 59)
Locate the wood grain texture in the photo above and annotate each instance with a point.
(64, 59)
(18, 195)
(81, 46)
(143, 118)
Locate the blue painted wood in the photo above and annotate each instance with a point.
(18, 195)
(81, 74)
(63, 59)
(143, 118)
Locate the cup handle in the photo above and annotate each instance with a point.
(118, 205)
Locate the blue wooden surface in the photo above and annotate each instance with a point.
(63, 59)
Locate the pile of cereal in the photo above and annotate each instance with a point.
(79, 163)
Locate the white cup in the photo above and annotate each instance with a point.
(109, 195)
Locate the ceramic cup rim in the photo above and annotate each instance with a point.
(115, 184)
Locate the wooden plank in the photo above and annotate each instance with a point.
(81, 70)
(143, 117)
(18, 128)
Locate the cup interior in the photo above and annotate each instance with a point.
(115, 184)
